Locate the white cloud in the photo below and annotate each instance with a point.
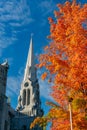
(6, 41)
(13, 14)
(21, 71)
(13, 85)
(14, 82)
(45, 89)
(47, 6)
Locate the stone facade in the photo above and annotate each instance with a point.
(29, 104)
(6, 112)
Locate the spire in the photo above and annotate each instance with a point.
(30, 61)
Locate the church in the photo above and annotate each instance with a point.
(29, 104)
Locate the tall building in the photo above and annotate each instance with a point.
(3, 98)
(29, 104)
(6, 112)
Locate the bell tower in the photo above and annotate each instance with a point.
(29, 99)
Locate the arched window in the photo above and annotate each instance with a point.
(28, 96)
(24, 97)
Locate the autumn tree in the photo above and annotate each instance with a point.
(65, 61)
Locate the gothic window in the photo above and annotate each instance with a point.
(28, 96)
(24, 97)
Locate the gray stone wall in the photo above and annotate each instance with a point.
(22, 122)
(3, 79)
(5, 108)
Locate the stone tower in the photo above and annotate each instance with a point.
(3, 77)
(29, 98)
(3, 99)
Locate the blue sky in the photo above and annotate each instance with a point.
(18, 19)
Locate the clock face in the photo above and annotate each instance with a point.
(26, 84)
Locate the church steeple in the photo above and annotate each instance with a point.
(29, 98)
